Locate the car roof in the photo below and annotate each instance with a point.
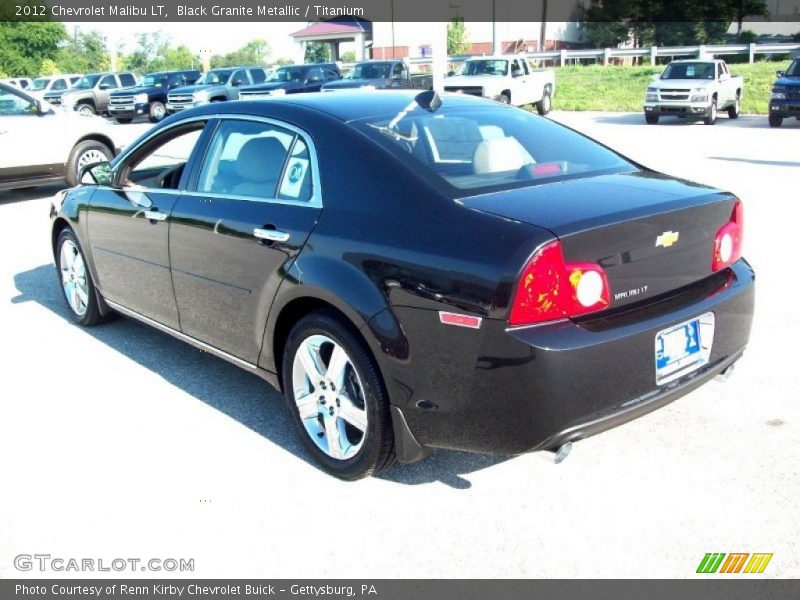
(357, 104)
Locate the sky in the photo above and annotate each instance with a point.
(216, 37)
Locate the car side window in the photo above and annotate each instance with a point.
(247, 158)
(258, 75)
(109, 82)
(398, 70)
(12, 105)
(127, 80)
(314, 75)
(330, 75)
(161, 163)
(58, 85)
(239, 79)
(525, 68)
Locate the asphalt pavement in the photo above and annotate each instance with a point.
(122, 442)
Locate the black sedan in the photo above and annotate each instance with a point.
(414, 272)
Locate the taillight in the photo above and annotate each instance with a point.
(728, 241)
(552, 289)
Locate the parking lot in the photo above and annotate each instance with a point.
(121, 441)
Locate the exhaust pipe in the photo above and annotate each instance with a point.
(726, 374)
(561, 452)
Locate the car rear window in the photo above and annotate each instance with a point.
(489, 149)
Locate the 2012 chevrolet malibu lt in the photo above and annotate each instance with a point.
(414, 271)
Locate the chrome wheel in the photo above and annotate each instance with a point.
(330, 397)
(157, 111)
(73, 278)
(546, 102)
(90, 157)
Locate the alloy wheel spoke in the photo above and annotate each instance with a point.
(309, 356)
(337, 366)
(333, 436)
(307, 405)
(82, 294)
(357, 417)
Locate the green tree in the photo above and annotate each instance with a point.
(49, 67)
(348, 56)
(317, 52)
(179, 58)
(83, 53)
(24, 45)
(284, 61)
(457, 42)
(254, 52)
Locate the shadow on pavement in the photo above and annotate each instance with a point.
(232, 391)
(743, 122)
(752, 161)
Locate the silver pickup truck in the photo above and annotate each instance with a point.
(694, 89)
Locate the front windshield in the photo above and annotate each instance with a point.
(214, 77)
(40, 83)
(287, 74)
(490, 148)
(794, 69)
(483, 67)
(379, 70)
(690, 70)
(86, 82)
(154, 80)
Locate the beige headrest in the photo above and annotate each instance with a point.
(498, 155)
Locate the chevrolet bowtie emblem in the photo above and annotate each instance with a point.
(666, 239)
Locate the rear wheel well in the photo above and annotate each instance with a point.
(288, 318)
(99, 138)
(506, 93)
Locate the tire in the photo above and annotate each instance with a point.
(123, 120)
(775, 121)
(546, 103)
(336, 444)
(75, 281)
(157, 111)
(85, 109)
(736, 108)
(651, 119)
(712, 118)
(504, 98)
(85, 153)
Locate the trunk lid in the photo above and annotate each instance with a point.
(651, 233)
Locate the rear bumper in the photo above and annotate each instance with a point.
(502, 391)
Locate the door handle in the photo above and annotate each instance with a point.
(271, 235)
(154, 215)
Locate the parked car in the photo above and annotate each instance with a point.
(427, 288)
(292, 79)
(694, 89)
(381, 75)
(91, 93)
(52, 85)
(150, 96)
(218, 85)
(506, 79)
(785, 101)
(22, 83)
(40, 144)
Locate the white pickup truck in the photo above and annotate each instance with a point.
(694, 89)
(507, 79)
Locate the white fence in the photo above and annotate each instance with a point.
(605, 55)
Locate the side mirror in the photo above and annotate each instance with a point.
(655, 77)
(451, 73)
(104, 86)
(780, 73)
(96, 174)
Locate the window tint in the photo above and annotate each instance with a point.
(296, 180)
(398, 70)
(525, 66)
(108, 82)
(330, 75)
(13, 105)
(239, 78)
(246, 158)
(258, 75)
(127, 80)
(314, 75)
(162, 165)
(490, 148)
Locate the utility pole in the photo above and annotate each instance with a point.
(543, 29)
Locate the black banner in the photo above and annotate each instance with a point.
(403, 589)
(377, 10)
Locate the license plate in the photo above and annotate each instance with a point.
(683, 348)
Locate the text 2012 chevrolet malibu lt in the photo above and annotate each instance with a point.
(414, 272)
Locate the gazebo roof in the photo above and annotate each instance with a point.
(328, 28)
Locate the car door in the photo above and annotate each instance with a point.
(234, 234)
(105, 86)
(128, 223)
(22, 129)
(313, 82)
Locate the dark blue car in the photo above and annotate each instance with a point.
(785, 100)
(292, 79)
